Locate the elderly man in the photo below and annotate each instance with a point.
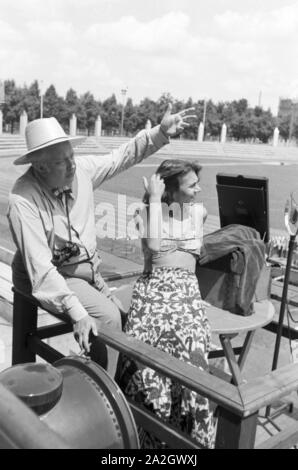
(51, 217)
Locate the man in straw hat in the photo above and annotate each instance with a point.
(51, 217)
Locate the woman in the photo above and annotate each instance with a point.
(167, 310)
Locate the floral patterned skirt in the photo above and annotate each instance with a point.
(167, 312)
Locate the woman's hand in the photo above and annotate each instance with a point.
(155, 188)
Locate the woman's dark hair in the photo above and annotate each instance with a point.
(170, 170)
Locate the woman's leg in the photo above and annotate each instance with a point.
(167, 312)
(102, 309)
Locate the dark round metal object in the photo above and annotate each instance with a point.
(78, 400)
(92, 411)
(37, 385)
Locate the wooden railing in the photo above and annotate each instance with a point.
(238, 407)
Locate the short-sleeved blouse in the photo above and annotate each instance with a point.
(178, 235)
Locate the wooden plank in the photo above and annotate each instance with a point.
(263, 391)
(24, 324)
(234, 432)
(53, 330)
(289, 333)
(221, 374)
(162, 431)
(6, 255)
(5, 272)
(283, 440)
(227, 323)
(5, 290)
(218, 391)
(231, 358)
(245, 349)
(215, 353)
(276, 293)
(44, 350)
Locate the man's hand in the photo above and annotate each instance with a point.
(82, 330)
(174, 124)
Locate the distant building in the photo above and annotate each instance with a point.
(288, 118)
(287, 107)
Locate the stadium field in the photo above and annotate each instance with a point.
(283, 178)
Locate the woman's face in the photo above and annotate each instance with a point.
(188, 188)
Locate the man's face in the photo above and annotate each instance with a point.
(61, 165)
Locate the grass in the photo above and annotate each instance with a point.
(282, 180)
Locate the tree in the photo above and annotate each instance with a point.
(71, 101)
(190, 132)
(284, 126)
(31, 102)
(265, 124)
(147, 109)
(243, 122)
(161, 105)
(73, 105)
(295, 129)
(240, 106)
(13, 104)
(130, 123)
(243, 127)
(213, 121)
(92, 110)
(111, 114)
(53, 105)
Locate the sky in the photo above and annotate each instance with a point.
(212, 49)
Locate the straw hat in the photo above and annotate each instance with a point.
(42, 133)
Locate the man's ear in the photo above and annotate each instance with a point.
(42, 167)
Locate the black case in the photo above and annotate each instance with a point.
(244, 200)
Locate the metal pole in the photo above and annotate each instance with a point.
(204, 117)
(204, 113)
(283, 301)
(123, 93)
(282, 309)
(291, 123)
(291, 216)
(41, 98)
(122, 119)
